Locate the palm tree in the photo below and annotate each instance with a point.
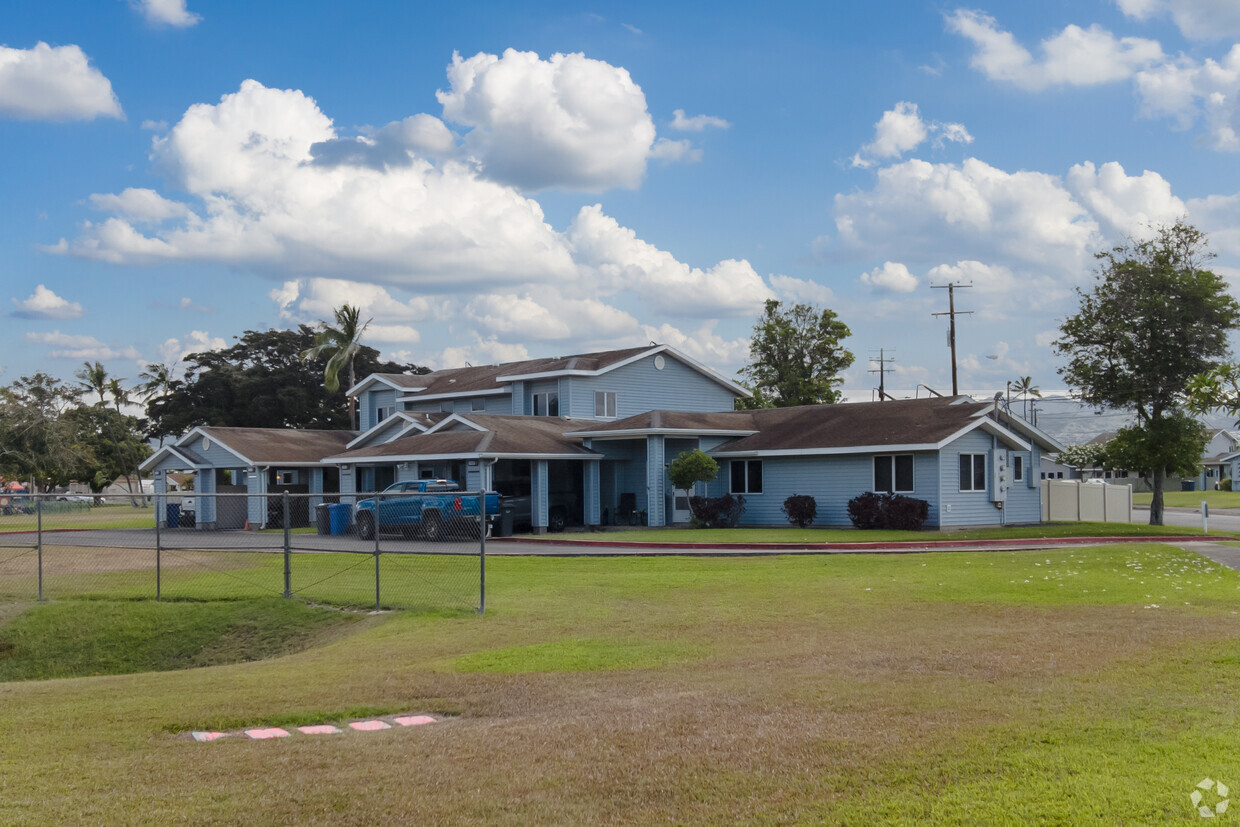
(1025, 388)
(156, 381)
(341, 343)
(94, 378)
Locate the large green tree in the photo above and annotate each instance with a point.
(260, 382)
(38, 443)
(796, 356)
(1154, 318)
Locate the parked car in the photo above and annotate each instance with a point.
(431, 508)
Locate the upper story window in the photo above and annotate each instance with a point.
(382, 412)
(447, 407)
(972, 472)
(605, 404)
(893, 474)
(547, 404)
(477, 404)
(746, 476)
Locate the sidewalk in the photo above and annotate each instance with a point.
(543, 546)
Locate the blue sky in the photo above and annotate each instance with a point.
(491, 181)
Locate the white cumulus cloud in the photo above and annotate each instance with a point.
(143, 205)
(696, 123)
(1073, 57)
(57, 83)
(313, 300)
(891, 276)
(801, 291)
(568, 121)
(1196, 19)
(901, 129)
(1186, 91)
(197, 341)
(80, 347)
(1128, 204)
(45, 304)
(167, 13)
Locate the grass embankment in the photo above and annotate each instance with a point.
(75, 638)
(758, 536)
(1192, 499)
(1071, 686)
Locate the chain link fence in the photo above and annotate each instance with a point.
(408, 554)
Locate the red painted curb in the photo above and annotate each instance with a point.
(912, 544)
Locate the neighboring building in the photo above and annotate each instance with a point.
(588, 438)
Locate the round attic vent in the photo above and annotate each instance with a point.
(206, 443)
(659, 362)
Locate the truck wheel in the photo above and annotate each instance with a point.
(432, 526)
(556, 520)
(365, 526)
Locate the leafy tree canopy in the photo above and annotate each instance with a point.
(692, 467)
(796, 357)
(1089, 455)
(1173, 444)
(261, 382)
(1154, 319)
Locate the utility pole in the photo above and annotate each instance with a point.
(882, 371)
(952, 312)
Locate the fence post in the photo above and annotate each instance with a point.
(288, 573)
(378, 503)
(482, 553)
(158, 553)
(38, 507)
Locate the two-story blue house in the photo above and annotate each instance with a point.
(588, 439)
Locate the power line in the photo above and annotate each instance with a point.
(882, 372)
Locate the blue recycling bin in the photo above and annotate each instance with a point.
(173, 516)
(341, 516)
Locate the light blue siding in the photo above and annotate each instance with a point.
(539, 494)
(370, 404)
(216, 456)
(655, 476)
(591, 486)
(498, 403)
(639, 387)
(518, 399)
(966, 507)
(831, 480)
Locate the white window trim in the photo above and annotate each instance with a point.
(606, 396)
(1018, 467)
(546, 395)
(747, 493)
(972, 468)
(894, 489)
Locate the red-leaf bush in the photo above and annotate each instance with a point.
(717, 512)
(893, 511)
(800, 509)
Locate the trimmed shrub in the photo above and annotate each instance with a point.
(800, 509)
(892, 511)
(717, 512)
(1225, 484)
(866, 510)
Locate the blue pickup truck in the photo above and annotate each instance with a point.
(435, 509)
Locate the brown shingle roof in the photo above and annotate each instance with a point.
(818, 427)
(502, 435)
(272, 446)
(486, 377)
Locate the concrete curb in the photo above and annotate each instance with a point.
(906, 546)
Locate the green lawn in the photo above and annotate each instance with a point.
(57, 515)
(751, 536)
(1192, 499)
(1089, 685)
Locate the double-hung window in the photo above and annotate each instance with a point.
(478, 404)
(746, 476)
(1018, 467)
(547, 404)
(972, 472)
(893, 474)
(605, 404)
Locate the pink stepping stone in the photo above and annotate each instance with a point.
(319, 729)
(270, 732)
(369, 726)
(208, 736)
(415, 720)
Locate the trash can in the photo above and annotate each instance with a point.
(341, 516)
(503, 525)
(322, 518)
(173, 517)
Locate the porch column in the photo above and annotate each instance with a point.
(204, 483)
(256, 499)
(160, 484)
(593, 506)
(655, 473)
(538, 496)
(348, 483)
